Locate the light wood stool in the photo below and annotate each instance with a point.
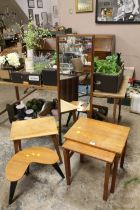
(69, 147)
(18, 165)
(28, 129)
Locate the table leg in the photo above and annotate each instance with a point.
(17, 93)
(106, 182)
(81, 158)
(119, 115)
(74, 116)
(68, 120)
(17, 146)
(123, 156)
(67, 165)
(114, 110)
(55, 141)
(114, 174)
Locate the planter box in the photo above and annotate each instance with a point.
(49, 77)
(5, 75)
(21, 77)
(108, 83)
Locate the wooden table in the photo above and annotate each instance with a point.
(102, 135)
(33, 128)
(117, 97)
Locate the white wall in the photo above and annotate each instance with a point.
(127, 36)
(47, 7)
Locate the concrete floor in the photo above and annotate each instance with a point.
(44, 189)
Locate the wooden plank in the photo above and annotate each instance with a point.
(33, 128)
(67, 107)
(26, 85)
(89, 151)
(103, 135)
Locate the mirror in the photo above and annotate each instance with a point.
(75, 64)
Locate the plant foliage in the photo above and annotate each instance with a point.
(110, 65)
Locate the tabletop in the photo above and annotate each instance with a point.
(33, 128)
(103, 135)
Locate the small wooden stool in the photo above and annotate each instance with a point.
(69, 147)
(18, 165)
(28, 129)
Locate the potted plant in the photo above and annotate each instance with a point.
(8, 63)
(108, 73)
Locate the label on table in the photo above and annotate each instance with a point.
(92, 142)
(33, 78)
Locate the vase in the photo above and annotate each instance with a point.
(30, 53)
(29, 65)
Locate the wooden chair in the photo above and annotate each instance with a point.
(18, 165)
(69, 147)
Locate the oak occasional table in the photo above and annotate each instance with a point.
(102, 135)
(33, 128)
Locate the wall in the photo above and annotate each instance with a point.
(11, 6)
(127, 36)
(47, 7)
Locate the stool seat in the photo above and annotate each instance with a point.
(19, 163)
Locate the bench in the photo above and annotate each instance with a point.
(69, 147)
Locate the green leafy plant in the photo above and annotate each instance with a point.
(110, 65)
(132, 180)
(33, 34)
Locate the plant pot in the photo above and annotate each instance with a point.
(108, 83)
(49, 77)
(21, 77)
(5, 75)
(29, 65)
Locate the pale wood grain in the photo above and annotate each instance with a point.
(89, 151)
(33, 128)
(67, 107)
(18, 164)
(103, 135)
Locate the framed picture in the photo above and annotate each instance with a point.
(83, 6)
(39, 3)
(119, 12)
(44, 17)
(37, 19)
(31, 3)
(55, 11)
(31, 14)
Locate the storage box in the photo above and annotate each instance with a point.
(5, 74)
(20, 77)
(107, 83)
(49, 77)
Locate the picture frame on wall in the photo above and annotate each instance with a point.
(31, 4)
(44, 17)
(117, 12)
(37, 20)
(31, 14)
(55, 11)
(39, 4)
(82, 6)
